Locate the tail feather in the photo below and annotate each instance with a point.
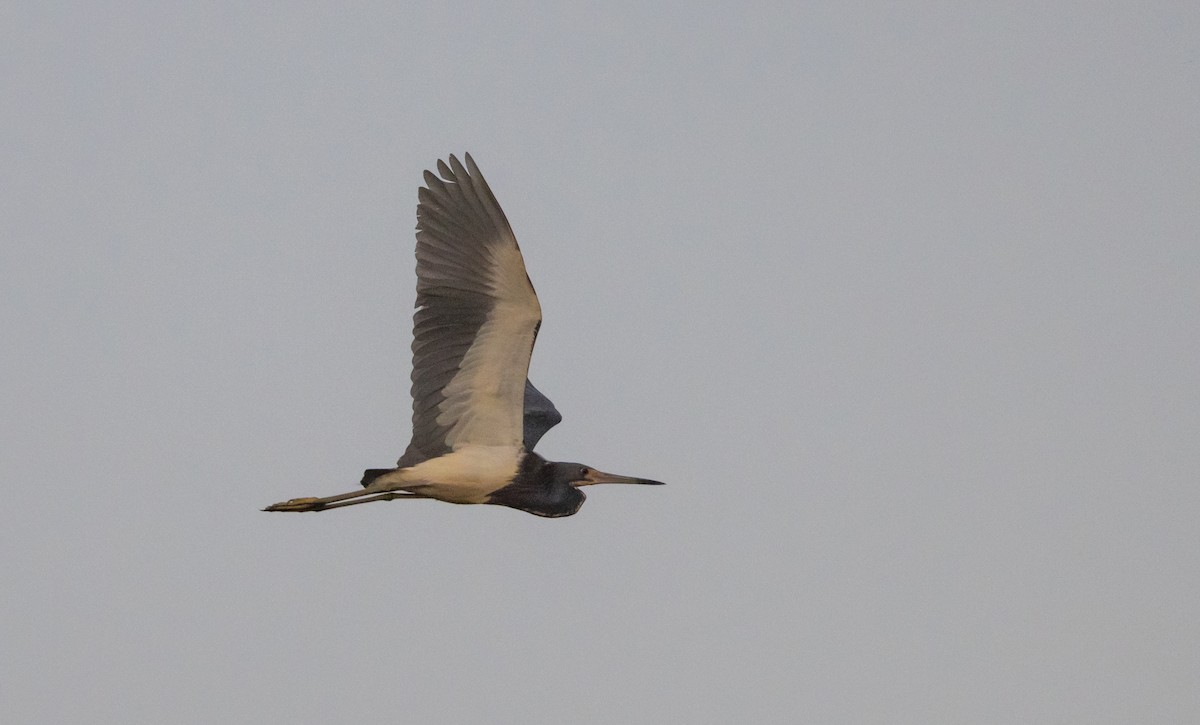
(371, 474)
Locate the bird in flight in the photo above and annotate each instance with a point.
(476, 417)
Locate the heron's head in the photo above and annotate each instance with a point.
(577, 474)
(552, 489)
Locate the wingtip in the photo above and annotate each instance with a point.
(459, 170)
(451, 168)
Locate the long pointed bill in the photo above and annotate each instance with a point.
(593, 477)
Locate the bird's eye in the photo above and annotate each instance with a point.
(583, 472)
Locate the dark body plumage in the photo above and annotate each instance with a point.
(543, 488)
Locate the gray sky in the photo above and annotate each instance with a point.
(901, 302)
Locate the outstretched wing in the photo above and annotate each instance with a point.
(540, 415)
(476, 321)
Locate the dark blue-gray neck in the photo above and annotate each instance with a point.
(539, 488)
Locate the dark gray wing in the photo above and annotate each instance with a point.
(540, 415)
(476, 321)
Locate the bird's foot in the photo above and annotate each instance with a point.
(307, 503)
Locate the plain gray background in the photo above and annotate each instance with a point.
(900, 300)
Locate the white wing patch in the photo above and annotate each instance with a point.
(483, 403)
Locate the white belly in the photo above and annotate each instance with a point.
(466, 475)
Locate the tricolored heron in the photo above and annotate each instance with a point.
(476, 417)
